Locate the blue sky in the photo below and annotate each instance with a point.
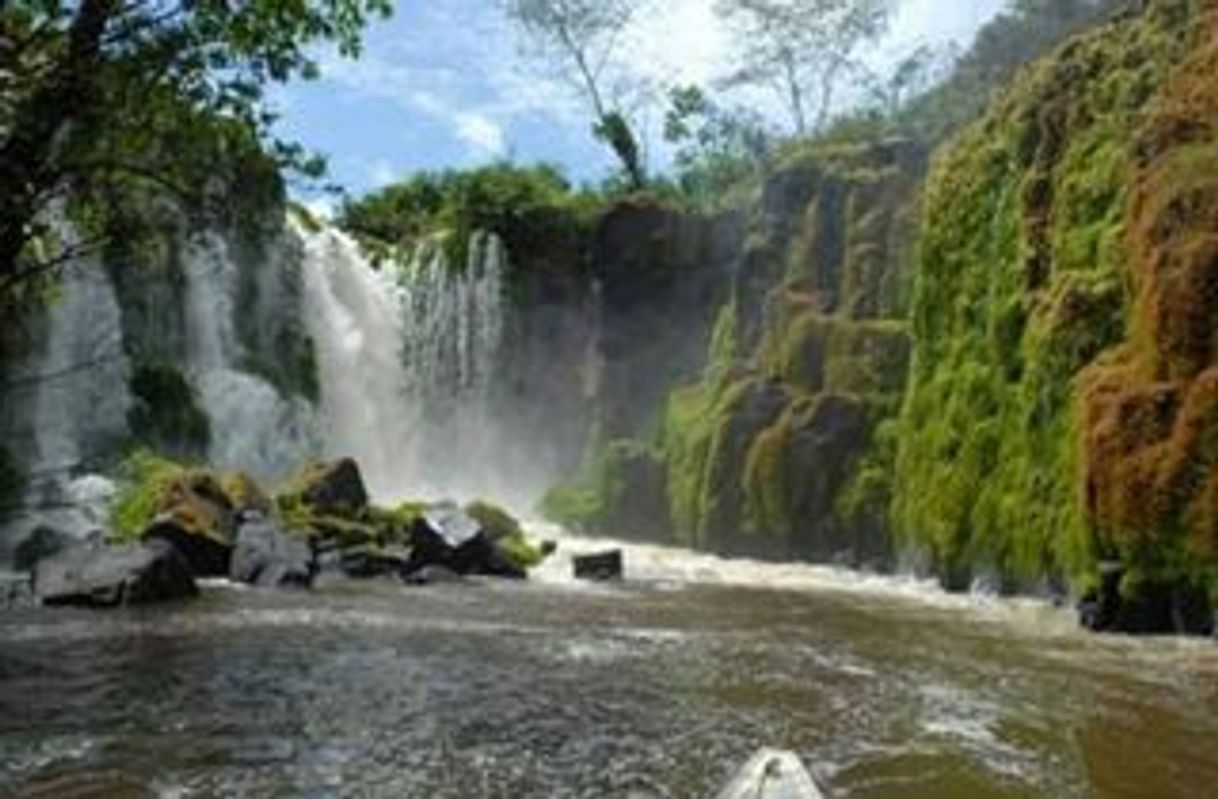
(447, 83)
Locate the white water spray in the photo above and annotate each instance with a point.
(354, 315)
(253, 426)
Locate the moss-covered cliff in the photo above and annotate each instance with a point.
(809, 357)
(748, 359)
(1059, 422)
(1062, 408)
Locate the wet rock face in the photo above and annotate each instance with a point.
(114, 576)
(1153, 608)
(662, 276)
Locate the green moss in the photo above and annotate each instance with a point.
(578, 507)
(1021, 284)
(769, 481)
(868, 494)
(146, 478)
(724, 350)
(689, 432)
(494, 520)
(166, 414)
(244, 492)
(621, 494)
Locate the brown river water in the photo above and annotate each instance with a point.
(659, 687)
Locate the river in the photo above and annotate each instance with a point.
(658, 687)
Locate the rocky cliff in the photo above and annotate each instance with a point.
(1052, 273)
(750, 357)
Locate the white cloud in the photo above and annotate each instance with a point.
(376, 78)
(481, 136)
(381, 173)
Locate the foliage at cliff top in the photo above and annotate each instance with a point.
(528, 207)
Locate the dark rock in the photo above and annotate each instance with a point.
(365, 562)
(266, 556)
(600, 566)
(42, 542)
(114, 576)
(331, 489)
(447, 536)
(205, 556)
(663, 275)
(197, 518)
(479, 555)
(433, 575)
(548, 548)
(1156, 608)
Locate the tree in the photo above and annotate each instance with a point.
(719, 149)
(1024, 31)
(585, 35)
(100, 95)
(801, 48)
(908, 78)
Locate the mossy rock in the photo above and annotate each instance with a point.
(624, 496)
(496, 522)
(245, 493)
(330, 488)
(186, 506)
(506, 533)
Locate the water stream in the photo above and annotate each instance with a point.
(654, 688)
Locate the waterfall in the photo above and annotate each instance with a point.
(408, 359)
(81, 397)
(410, 366)
(65, 404)
(253, 425)
(452, 346)
(354, 315)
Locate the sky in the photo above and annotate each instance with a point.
(449, 83)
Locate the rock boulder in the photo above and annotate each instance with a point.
(107, 577)
(268, 557)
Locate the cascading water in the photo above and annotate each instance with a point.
(409, 367)
(455, 321)
(354, 315)
(67, 403)
(253, 425)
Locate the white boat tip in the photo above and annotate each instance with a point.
(772, 774)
